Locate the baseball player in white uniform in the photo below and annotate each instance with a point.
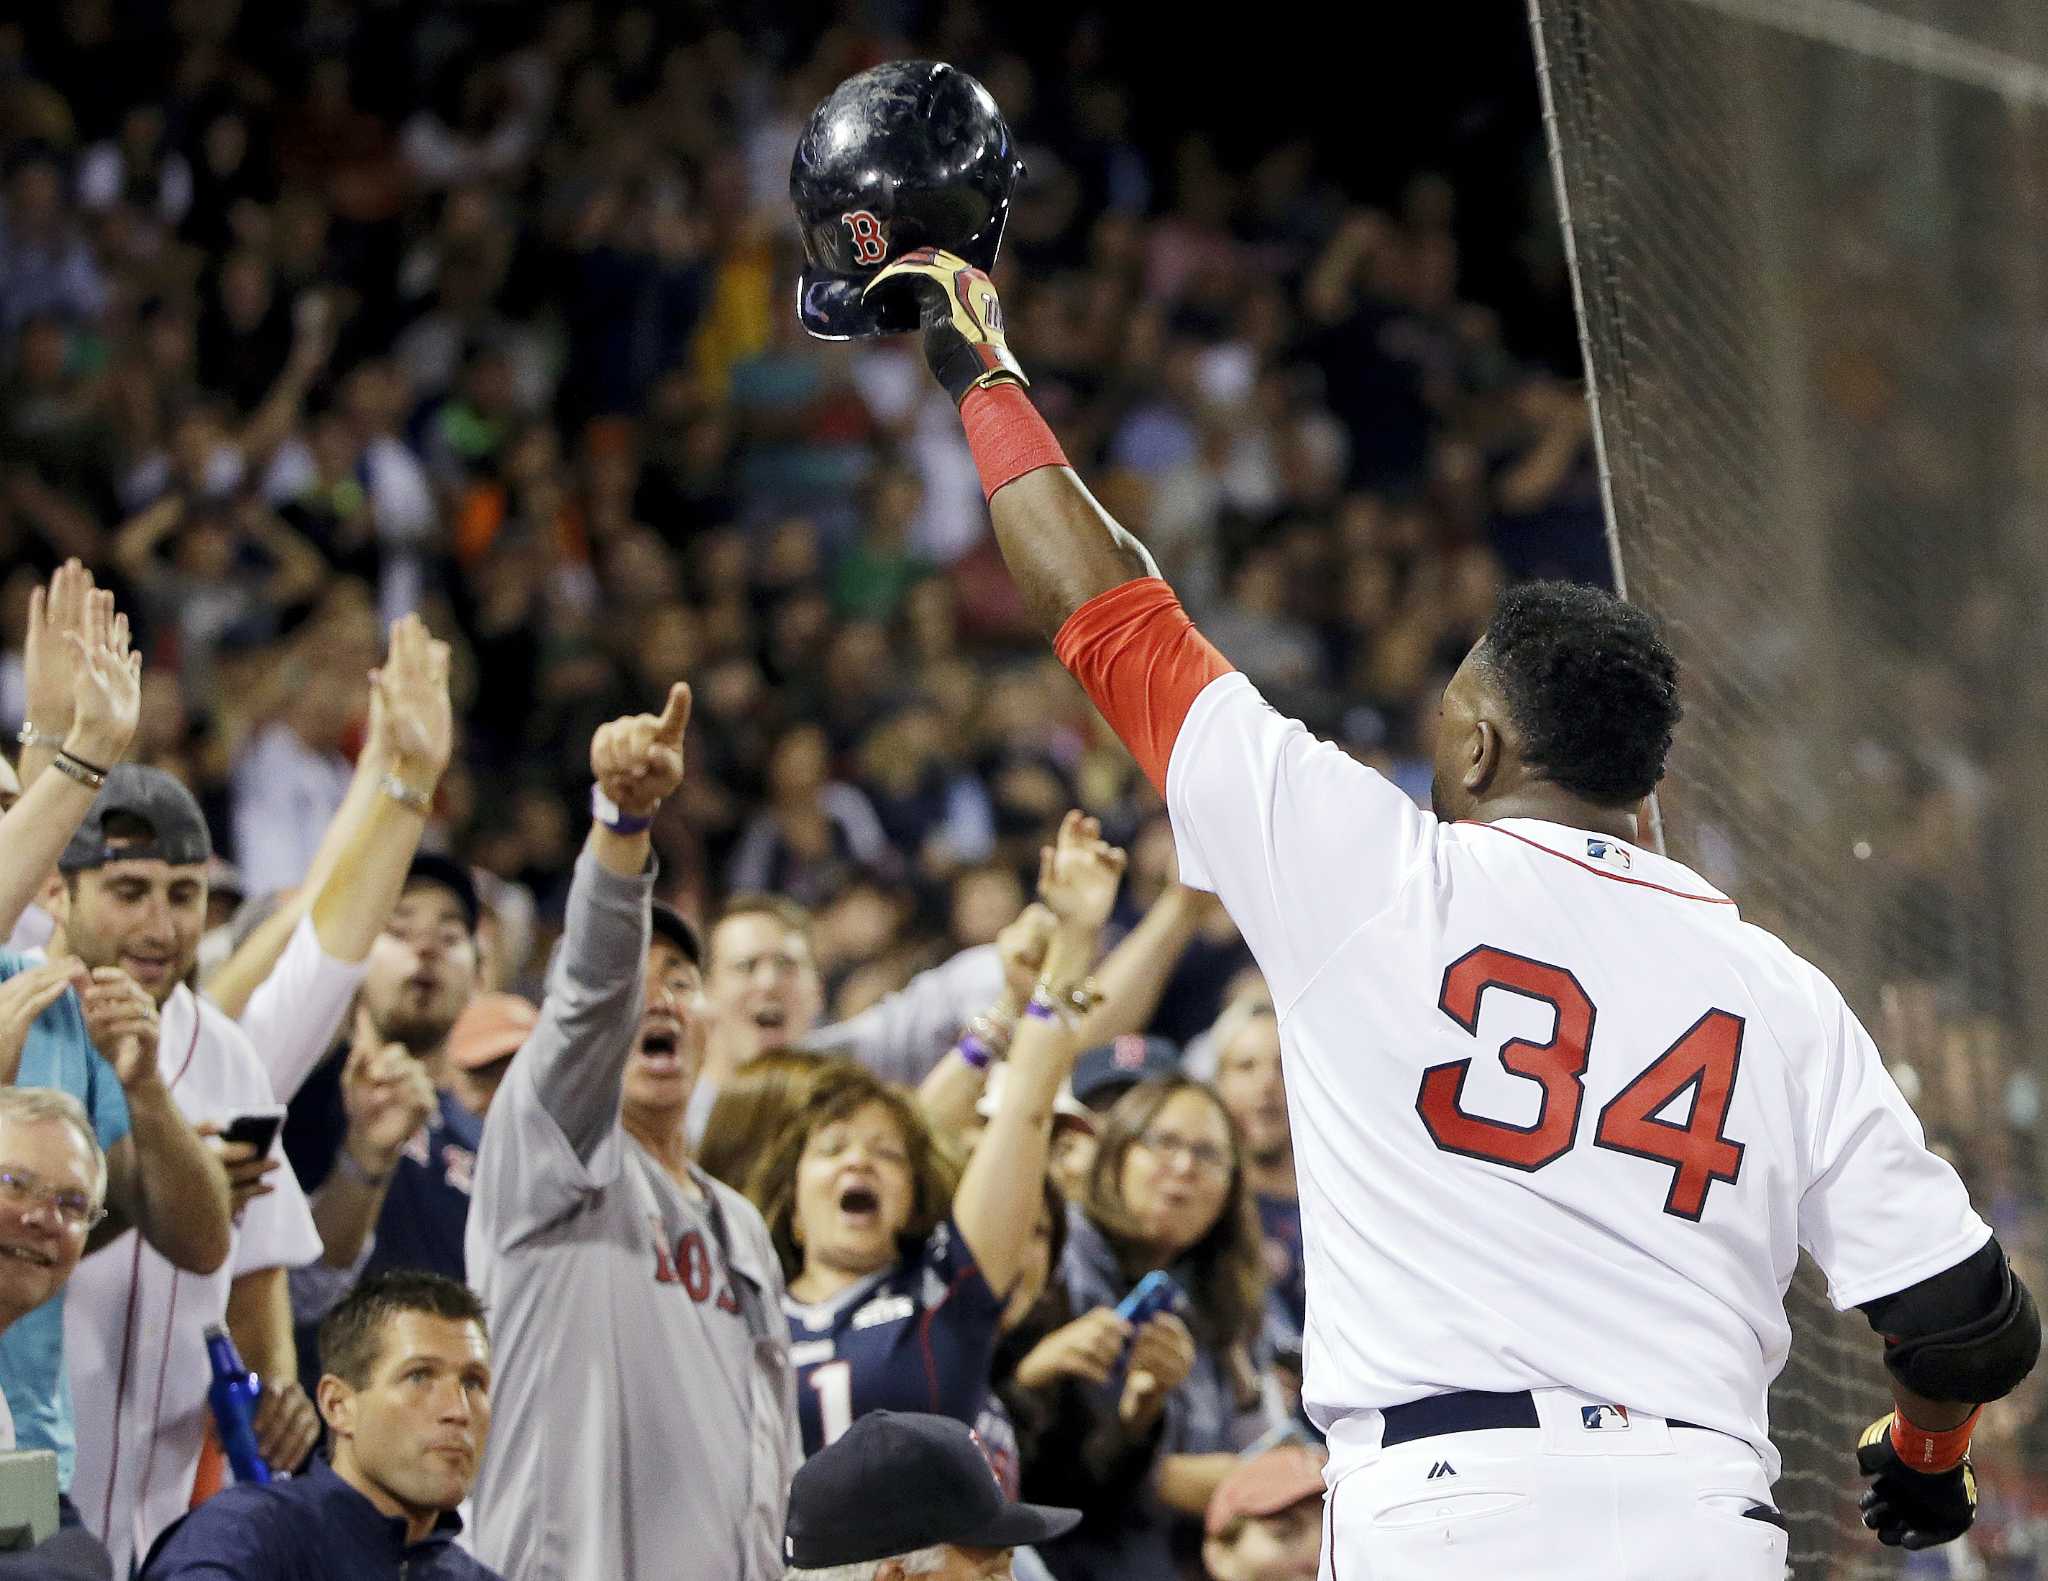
(1562, 1120)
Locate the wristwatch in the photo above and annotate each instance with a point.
(607, 812)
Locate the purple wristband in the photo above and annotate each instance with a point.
(1039, 1010)
(975, 1051)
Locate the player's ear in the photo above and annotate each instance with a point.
(1482, 757)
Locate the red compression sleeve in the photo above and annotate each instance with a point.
(1007, 435)
(1933, 1452)
(1140, 658)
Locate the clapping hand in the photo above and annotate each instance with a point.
(122, 1021)
(638, 760)
(23, 997)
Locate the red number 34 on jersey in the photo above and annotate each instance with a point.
(1704, 1061)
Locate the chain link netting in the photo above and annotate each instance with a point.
(1807, 241)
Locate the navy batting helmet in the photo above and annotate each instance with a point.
(911, 154)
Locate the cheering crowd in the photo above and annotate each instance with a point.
(510, 1224)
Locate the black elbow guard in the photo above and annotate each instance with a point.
(1958, 1356)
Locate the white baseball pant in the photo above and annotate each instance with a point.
(1592, 1493)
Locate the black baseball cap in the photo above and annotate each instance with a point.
(177, 826)
(896, 1482)
(1105, 1073)
(672, 925)
(429, 867)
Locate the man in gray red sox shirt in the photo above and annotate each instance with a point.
(645, 1405)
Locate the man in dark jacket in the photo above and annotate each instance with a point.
(406, 1394)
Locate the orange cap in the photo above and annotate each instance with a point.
(493, 1026)
(1266, 1484)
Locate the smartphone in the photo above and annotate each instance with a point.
(258, 1127)
(1154, 1294)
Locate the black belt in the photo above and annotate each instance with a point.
(1465, 1411)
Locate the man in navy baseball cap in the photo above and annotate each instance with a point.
(912, 1495)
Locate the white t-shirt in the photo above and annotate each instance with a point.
(134, 1326)
(1560, 1117)
(284, 796)
(295, 1014)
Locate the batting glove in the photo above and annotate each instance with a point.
(1907, 1508)
(963, 321)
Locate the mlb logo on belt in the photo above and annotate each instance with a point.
(1603, 1418)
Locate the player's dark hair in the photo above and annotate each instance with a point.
(1591, 685)
(352, 1335)
(839, 1092)
(1225, 1271)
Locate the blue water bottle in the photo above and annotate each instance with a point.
(233, 1397)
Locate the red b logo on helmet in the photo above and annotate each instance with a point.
(870, 245)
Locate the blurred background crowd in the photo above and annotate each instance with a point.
(319, 315)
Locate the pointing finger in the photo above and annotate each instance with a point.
(366, 1040)
(669, 727)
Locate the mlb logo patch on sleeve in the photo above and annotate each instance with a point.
(1603, 1418)
(1615, 855)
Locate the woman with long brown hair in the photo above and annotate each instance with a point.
(897, 1277)
(754, 1104)
(1167, 1191)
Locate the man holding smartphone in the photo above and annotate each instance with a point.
(132, 910)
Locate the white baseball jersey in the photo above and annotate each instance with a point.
(1561, 1118)
(135, 1326)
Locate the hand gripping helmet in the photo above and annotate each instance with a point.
(911, 154)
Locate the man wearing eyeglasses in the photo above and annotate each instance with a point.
(53, 1182)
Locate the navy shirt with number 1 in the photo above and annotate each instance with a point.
(918, 1336)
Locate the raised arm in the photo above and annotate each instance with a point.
(577, 1054)
(1078, 879)
(1061, 547)
(951, 1091)
(105, 681)
(1254, 794)
(904, 1036)
(312, 341)
(1132, 976)
(359, 870)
